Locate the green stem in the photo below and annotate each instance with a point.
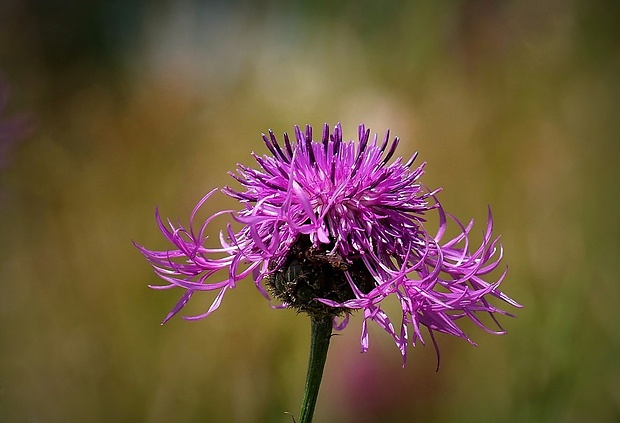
(319, 344)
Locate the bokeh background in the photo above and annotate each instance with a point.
(133, 104)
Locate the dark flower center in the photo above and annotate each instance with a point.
(310, 272)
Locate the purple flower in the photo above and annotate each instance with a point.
(331, 227)
(11, 129)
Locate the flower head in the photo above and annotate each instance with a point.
(335, 226)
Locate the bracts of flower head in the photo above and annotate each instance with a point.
(330, 227)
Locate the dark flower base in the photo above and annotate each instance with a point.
(310, 272)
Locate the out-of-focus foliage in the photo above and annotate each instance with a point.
(137, 104)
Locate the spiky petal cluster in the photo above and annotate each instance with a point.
(355, 207)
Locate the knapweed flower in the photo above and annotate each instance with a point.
(333, 226)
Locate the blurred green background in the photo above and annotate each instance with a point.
(136, 103)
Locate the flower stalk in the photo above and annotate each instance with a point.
(321, 332)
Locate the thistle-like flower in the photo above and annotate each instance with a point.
(336, 226)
